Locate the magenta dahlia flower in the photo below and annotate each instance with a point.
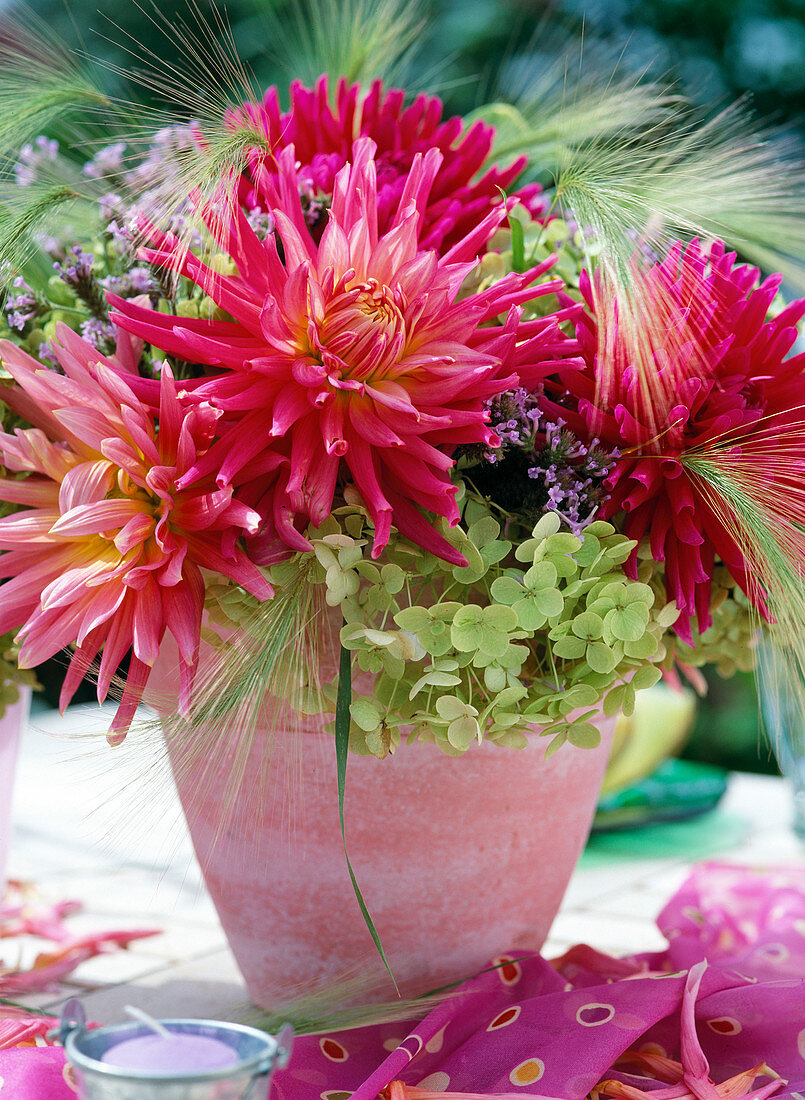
(322, 135)
(354, 359)
(106, 551)
(721, 388)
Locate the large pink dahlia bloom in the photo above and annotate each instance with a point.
(352, 359)
(719, 388)
(107, 552)
(322, 134)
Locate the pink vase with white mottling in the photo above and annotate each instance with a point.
(11, 725)
(458, 858)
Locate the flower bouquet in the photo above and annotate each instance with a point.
(442, 436)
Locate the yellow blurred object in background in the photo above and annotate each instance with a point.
(663, 717)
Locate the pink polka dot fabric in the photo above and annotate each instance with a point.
(695, 1022)
(726, 996)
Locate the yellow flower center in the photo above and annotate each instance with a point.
(363, 330)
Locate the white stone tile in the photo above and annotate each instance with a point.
(50, 1001)
(636, 902)
(666, 880)
(591, 882)
(115, 967)
(20, 952)
(763, 800)
(209, 987)
(614, 935)
(126, 891)
(778, 846)
(183, 942)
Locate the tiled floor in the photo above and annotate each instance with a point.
(103, 827)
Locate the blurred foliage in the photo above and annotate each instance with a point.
(717, 51)
(727, 730)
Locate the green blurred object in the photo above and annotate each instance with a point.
(727, 730)
(677, 790)
(702, 837)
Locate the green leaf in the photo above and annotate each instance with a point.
(645, 678)
(547, 525)
(450, 708)
(393, 578)
(555, 744)
(365, 714)
(600, 657)
(569, 649)
(613, 700)
(642, 649)
(413, 619)
(434, 679)
(342, 724)
(588, 626)
(518, 244)
(467, 629)
(463, 731)
(549, 601)
(583, 735)
(627, 624)
(564, 543)
(506, 590)
(509, 696)
(495, 678)
(483, 531)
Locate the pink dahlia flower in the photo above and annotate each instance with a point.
(352, 359)
(721, 387)
(107, 552)
(322, 134)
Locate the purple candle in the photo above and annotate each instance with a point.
(172, 1055)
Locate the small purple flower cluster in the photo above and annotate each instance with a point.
(137, 280)
(77, 273)
(100, 334)
(76, 270)
(107, 162)
(21, 308)
(513, 415)
(543, 466)
(33, 157)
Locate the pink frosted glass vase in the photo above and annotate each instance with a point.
(11, 726)
(459, 858)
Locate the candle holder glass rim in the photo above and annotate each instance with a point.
(259, 1063)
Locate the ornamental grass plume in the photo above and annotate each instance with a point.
(107, 552)
(708, 413)
(357, 353)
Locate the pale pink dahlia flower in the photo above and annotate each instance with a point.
(107, 552)
(352, 359)
(721, 388)
(322, 134)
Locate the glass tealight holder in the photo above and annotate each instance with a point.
(256, 1055)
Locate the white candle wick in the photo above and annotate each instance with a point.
(149, 1021)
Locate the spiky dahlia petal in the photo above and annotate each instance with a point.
(715, 385)
(353, 357)
(108, 553)
(322, 133)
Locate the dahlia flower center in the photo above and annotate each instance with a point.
(364, 328)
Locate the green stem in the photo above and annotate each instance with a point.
(342, 724)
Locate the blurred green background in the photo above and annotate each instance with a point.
(715, 52)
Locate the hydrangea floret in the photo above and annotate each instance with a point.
(543, 634)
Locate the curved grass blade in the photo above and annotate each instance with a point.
(342, 724)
